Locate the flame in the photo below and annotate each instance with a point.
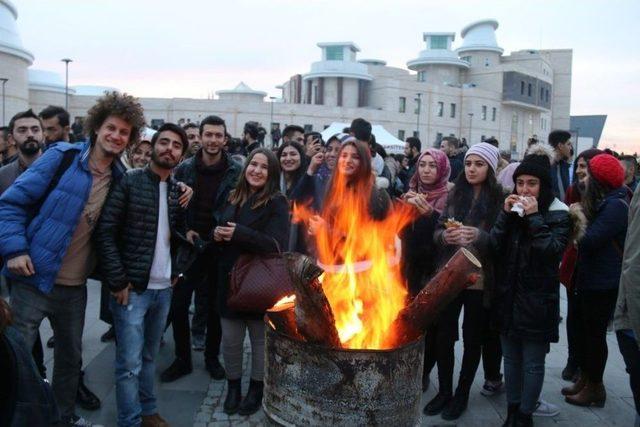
(286, 300)
(360, 255)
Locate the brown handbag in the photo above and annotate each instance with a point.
(257, 282)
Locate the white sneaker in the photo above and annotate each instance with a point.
(78, 421)
(491, 388)
(545, 409)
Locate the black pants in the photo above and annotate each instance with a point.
(631, 355)
(573, 325)
(474, 333)
(596, 309)
(105, 311)
(202, 272)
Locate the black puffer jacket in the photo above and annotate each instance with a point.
(126, 233)
(529, 250)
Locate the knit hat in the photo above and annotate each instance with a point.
(536, 163)
(607, 170)
(487, 152)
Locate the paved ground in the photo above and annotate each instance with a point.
(197, 401)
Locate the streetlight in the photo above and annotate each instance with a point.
(4, 80)
(470, 123)
(66, 82)
(419, 102)
(272, 98)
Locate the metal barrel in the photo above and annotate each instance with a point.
(307, 384)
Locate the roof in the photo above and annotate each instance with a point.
(241, 88)
(390, 143)
(352, 45)
(46, 81)
(588, 126)
(480, 35)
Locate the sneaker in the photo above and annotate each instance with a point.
(197, 343)
(78, 421)
(491, 387)
(546, 409)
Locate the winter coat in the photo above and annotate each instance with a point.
(600, 250)
(45, 235)
(186, 172)
(419, 251)
(257, 231)
(527, 294)
(560, 167)
(125, 236)
(9, 173)
(457, 166)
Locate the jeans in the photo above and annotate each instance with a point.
(523, 371)
(138, 326)
(631, 355)
(596, 309)
(65, 307)
(233, 333)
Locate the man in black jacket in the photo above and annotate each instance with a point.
(212, 174)
(139, 235)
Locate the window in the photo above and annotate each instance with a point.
(416, 134)
(529, 90)
(340, 82)
(440, 110)
(482, 138)
(453, 110)
(401, 134)
(484, 112)
(439, 42)
(335, 53)
(546, 97)
(541, 94)
(521, 88)
(403, 104)
(438, 139)
(466, 58)
(493, 114)
(308, 128)
(422, 76)
(487, 63)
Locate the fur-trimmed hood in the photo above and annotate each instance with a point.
(579, 221)
(541, 149)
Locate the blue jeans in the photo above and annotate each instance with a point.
(523, 371)
(138, 326)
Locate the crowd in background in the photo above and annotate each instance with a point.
(161, 216)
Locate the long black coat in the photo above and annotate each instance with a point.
(126, 233)
(257, 231)
(528, 253)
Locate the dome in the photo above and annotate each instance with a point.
(47, 81)
(10, 41)
(90, 90)
(480, 35)
(241, 89)
(438, 52)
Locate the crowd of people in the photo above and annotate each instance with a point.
(160, 217)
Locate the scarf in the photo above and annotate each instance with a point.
(437, 192)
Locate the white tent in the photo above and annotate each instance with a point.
(390, 143)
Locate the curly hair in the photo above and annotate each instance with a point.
(121, 105)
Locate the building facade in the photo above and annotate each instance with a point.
(472, 92)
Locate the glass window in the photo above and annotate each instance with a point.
(493, 114)
(403, 104)
(484, 112)
(440, 110)
(438, 139)
(416, 134)
(521, 88)
(546, 98)
(422, 76)
(529, 90)
(335, 53)
(308, 128)
(439, 42)
(541, 94)
(453, 110)
(466, 58)
(401, 134)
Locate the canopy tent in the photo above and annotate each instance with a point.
(390, 143)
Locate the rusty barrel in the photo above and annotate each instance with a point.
(307, 384)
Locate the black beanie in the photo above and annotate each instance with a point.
(537, 165)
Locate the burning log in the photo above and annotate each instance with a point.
(313, 314)
(460, 272)
(281, 317)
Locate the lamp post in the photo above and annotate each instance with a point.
(4, 80)
(419, 102)
(272, 98)
(66, 82)
(470, 123)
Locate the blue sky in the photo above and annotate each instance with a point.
(193, 48)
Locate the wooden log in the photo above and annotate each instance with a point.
(460, 272)
(282, 318)
(314, 317)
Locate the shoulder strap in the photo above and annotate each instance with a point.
(67, 158)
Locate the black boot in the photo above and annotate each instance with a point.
(437, 404)
(523, 420)
(234, 396)
(215, 369)
(512, 410)
(253, 400)
(456, 406)
(85, 397)
(110, 335)
(178, 369)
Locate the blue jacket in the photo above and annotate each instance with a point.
(45, 235)
(599, 258)
(564, 167)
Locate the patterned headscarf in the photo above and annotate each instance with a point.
(437, 192)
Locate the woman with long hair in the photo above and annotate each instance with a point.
(255, 221)
(291, 158)
(526, 308)
(428, 190)
(598, 269)
(471, 210)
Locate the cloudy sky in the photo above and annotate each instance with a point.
(192, 48)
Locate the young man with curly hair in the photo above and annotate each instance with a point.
(46, 220)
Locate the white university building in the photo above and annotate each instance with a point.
(458, 85)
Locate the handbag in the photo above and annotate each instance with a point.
(257, 282)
